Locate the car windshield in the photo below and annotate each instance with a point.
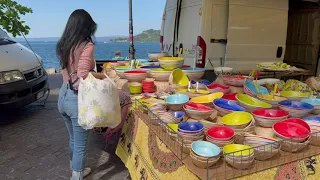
(4, 38)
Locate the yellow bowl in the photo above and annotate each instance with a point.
(248, 100)
(174, 127)
(269, 97)
(179, 78)
(207, 98)
(296, 94)
(171, 58)
(243, 150)
(237, 118)
(160, 70)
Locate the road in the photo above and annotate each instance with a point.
(34, 145)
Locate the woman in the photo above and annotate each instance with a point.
(75, 50)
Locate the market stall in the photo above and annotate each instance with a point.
(239, 126)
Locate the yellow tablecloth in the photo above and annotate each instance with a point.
(147, 158)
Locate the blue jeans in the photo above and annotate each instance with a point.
(68, 107)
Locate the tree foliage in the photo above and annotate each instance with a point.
(10, 12)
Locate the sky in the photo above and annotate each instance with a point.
(112, 16)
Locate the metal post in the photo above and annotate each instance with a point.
(131, 46)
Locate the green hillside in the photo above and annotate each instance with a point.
(150, 35)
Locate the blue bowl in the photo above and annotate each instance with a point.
(190, 127)
(253, 89)
(312, 101)
(150, 67)
(177, 99)
(204, 82)
(229, 105)
(178, 114)
(192, 69)
(205, 149)
(296, 105)
(312, 118)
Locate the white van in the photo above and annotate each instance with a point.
(22, 77)
(240, 32)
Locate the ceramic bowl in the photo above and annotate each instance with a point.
(170, 118)
(171, 63)
(176, 101)
(198, 107)
(295, 108)
(206, 99)
(235, 80)
(221, 133)
(291, 131)
(160, 74)
(205, 149)
(268, 117)
(150, 67)
(225, 107)
(179, 78)
(273, 100)
(231, 97)
(316, 104)
(154, 56)
(190, 127)
(238, 150)
(294, 95)
(251, 103)
(298, 121)
(237, 120)
(135, 75)
(250, 88)
(198, 115)
(120, 72)
(202, 162)
(223, 70)
(214, 87)
(314, 123)
(194, 73)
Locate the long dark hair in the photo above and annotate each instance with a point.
(80, 29)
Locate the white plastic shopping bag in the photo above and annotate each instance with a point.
(98, 103)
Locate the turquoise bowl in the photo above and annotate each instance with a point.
(205, 149)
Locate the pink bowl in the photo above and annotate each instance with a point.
(298, 121)
(196, 106)
(219, 86)
(231, 97)
(135, 72)
(220, 133)
(270, 113)
(291, 130)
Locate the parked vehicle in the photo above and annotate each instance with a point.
(23, 79)
(241, 33)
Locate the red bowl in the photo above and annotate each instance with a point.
(270, 113)
(135, 72)
(215, 85)
(147, 85)
(185, 66)
(291, 130)
(197, 106)
(298, 121)
(231, 97)
(220, 133)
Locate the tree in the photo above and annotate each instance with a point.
(10, 12)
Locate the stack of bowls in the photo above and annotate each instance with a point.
(194, 73)
(190, 131)
(264, 148)
(120, 72)
(295, 108)
(150, 67)
(148, 86)
(207, 99)
(251, 90)
(154, 109)
(235, 80)
(214, 87)
(231, 97)
(171, 63)
(271, 99)
(239, 156)
(223, 70)
(201, 84)
(316, 104)
(295, 132)
(237, 120)
(197, 111)
(135, 88)
(154, 56)
(160, 74)
(171, 117)
(135, 75)
(251, 103)
(204, 154)
(225, 107)
(176, 101)
(314, 123)
(268, 117)
(220, 135)
(294, 95)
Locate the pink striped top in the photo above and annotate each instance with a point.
(83, 63)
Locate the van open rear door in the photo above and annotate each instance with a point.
(256, 32)
(168, 26)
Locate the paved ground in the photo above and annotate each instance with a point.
(34, 145)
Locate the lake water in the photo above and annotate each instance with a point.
(47, 50)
